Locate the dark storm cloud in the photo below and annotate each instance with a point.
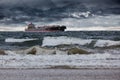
(27, 3)
(17, 11)
(55, 8)
(52, 3)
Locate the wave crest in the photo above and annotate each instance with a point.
(18, 40)
(54, 41)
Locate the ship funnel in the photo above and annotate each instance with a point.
(31, 26)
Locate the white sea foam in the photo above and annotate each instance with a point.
(44, 61)
(53, 41)
(37, 50)
(106, 43)
(17, 40)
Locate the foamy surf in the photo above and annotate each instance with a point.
(54, 41)
(41, 57)
(17, 40)
(78, 50)
(71, 61)
(106, 43)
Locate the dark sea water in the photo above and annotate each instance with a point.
(103, 48)
(86, 35)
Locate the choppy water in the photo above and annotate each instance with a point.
(104, 48)
(38, 38)
(77, 15)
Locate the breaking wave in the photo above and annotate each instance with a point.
(97, 60)
(106, 43)
(18, 40)
(54, 41)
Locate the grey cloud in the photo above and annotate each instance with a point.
(38, 9)
(27, 3)
(52, 3)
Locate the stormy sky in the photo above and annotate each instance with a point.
(52, 3)
(7, 15)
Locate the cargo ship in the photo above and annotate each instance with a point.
(53, 28)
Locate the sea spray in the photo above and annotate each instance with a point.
(37, 50)
(103, 48)
(48, 61)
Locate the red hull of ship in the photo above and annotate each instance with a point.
(42, 30)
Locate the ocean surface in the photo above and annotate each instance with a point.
(92, 38)
(21, 40)
(103, 46)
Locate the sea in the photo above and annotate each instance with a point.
(91, 40)
(103, 46)
(21, 40)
